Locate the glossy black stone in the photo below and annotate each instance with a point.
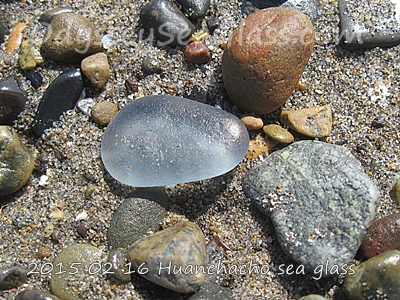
(12, 99)
(35, 78)
(61, 95)
(195, 9)
(48, 15)
(167, 22)
(212, 24)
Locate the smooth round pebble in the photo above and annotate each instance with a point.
(181, 246)
(197, 53)
(265, 57)
(76, 261)
(150, 66)
(35, 295)
(12, 277)
(252, 123)
(383, 235)
(12, 99)
(103, 112)
(195, 9)
(96, 69)
(119, 271)
(16, 161)
(376, 278)
(79, 41)
(278, 133)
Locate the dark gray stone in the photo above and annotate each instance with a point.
(212, 24)
(319, 199)
(3, 26)
(118, 258)
(150, 66)
(35, 295)
(12, 99)
(35, 78)
(381, 30)
(195, 9)
(12, 277)
(169, 24)
(133, 220)
(61, 95)
(49, 15)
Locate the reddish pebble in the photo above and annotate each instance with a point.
(197, 53)
(382, 236)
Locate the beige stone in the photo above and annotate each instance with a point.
(96, 69)
(252, 123)
(278, 133)
(315, 122)
(103, 112)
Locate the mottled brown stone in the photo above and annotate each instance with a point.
(315, 122)
(170, 257)
(265, 57)
(103, 112)
(382, 236)
(197, 53)
(96, 69)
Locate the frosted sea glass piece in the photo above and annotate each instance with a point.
(164, 140)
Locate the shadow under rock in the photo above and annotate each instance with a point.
(284, 265)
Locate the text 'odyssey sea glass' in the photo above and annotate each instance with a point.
(163, 140)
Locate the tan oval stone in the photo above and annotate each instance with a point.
(315, 122)
(97, 69)
(103, 112)
(180, 247)
(265, 57)
(252, 123)
(278, 133)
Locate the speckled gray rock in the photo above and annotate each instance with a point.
(163, 140)
(49, 15)
(79, 38)
(12, 277)
(164, 19)
(376, 278)
(319, 199)
(16, 161)
(76, 260)
(133, 219)
(180, 247)
(195, 9)
(381, 27)
(3, 26)
(119, 271)
(35, 295)
(12, 99)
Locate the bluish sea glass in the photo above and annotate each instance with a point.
(164, 140)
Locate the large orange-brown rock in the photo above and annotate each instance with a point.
(265, 57)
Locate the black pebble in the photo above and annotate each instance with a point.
(35, 78)
(82, 229)
(212, 24)
(12, 99)
(60, 96)
(195, 9)
(378, 123)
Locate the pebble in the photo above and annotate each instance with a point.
(197, 53)
(132, 85)
(82, 229)
(164, 140)
(133, 220)
(12, 277)
(61, 95)
(85, 105)
(79, 41)
(119, 271)
(12, 99)
(29, 56)
(252, 123)
(16, 161)
(3, 26)
(313, 297)
(35, 295)
(278, 133)
(260, 145)
(314, 122)
(395, 193)
(382, 236)
(320, 202)
(199, 93)
(76, 260)
(44, 252)
(213, 24)
(265, 57)
(15, 38)
(96, 69)
(35, 78)
(49, 15)
(103, 112)
(376, 278)
(195, 9)
(169, 24)
(150, 66)
(181, 246)
(364, 26)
